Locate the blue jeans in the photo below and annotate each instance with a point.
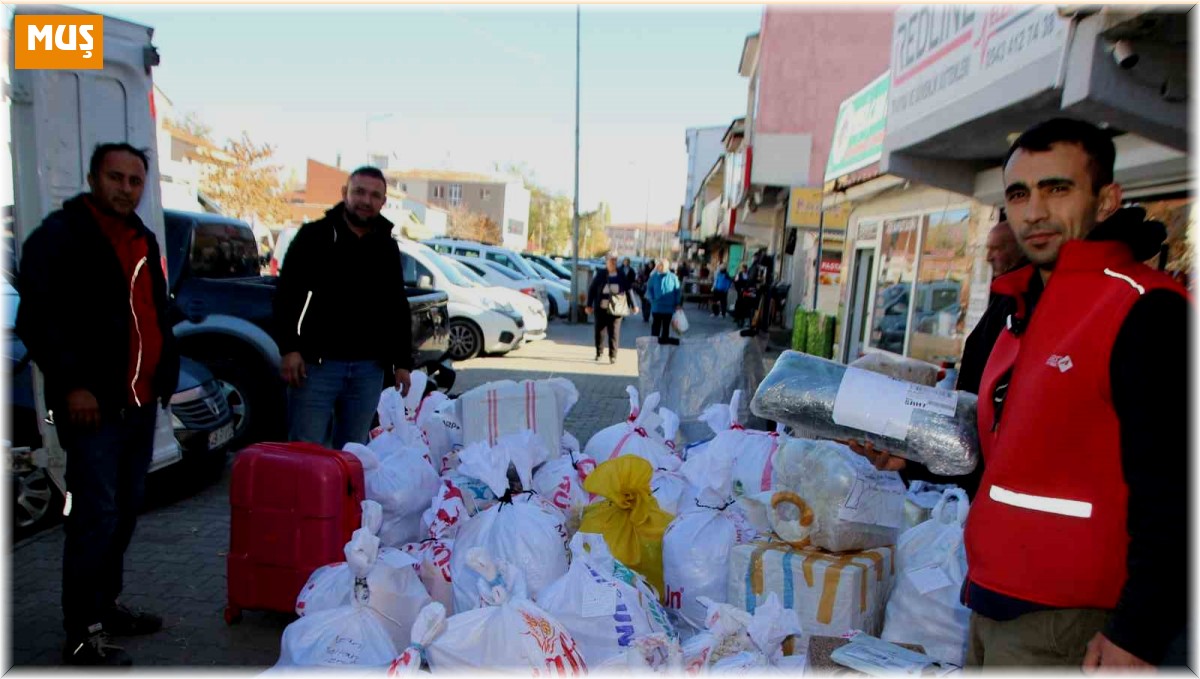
(106, 477)
(335, 404)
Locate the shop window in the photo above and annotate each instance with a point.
(896, 272)
(943, 288)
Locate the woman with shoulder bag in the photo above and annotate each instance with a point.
(610, 299)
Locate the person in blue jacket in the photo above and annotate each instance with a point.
(721, 292)
(666, 295)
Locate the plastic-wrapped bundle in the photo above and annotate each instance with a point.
(823, 399)
(829, 496)
(702, 370)
(900, 367)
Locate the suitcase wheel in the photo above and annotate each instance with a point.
(233, 615)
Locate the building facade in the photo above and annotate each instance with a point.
(503, 200)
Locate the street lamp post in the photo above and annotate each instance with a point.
(574, 305)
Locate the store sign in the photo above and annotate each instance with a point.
(804, 210)
(943, 53)
(858, 132)
(831, 266)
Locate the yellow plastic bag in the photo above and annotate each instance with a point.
(629, 519)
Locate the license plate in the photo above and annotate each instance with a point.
(220, 437)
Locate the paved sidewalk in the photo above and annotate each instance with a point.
(176, 564)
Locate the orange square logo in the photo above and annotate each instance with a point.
(58, 41)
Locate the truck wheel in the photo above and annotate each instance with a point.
(37, 502)
(255, 402)
(466, 340)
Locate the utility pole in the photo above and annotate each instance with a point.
(574, 306)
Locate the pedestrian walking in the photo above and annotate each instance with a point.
(720, 297)
(342, 317)
(109, 359)
(666, 296)
(610, 298)
(746, 293)
(1084, 433)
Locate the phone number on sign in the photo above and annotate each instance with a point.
(1017, 42)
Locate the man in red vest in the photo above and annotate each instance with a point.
(1077, 542)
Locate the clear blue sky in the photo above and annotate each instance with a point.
(465, 87)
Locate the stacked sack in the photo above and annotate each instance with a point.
(834, 518)
(637, 435)
(697, 544)
(606, 607)
(357, 632)
(670, 488)
(522, 527)
(507, 631)
(754, 451)
(432, 554)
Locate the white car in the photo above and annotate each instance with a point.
(556, 289)
(502, 276)
(529, 308)
(479, 323)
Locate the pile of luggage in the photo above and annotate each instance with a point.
(476, 533)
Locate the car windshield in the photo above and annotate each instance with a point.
(513, 275)
(453, 275)
(471, 276)
(543, 271)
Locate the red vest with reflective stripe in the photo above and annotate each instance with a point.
(1049, 522)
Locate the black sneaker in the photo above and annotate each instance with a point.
(123, 621)
(95, 649)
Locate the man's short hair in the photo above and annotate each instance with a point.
(102, 151)
(367, 171)
(1096, 143)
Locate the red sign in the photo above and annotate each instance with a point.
(831, 266)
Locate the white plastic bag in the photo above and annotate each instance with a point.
(604, 614)
(396, 590)
(355, 634)
(696, 545)
(652, 653)
(679, 322)
(403, 483)
(398, 417)
(432, 554)
(440, 423)
(524, 529)
(753, 450)
(919, 501)
(561, 481)
(924, 607)
(508, 633)
(736, 640)
(635, 436)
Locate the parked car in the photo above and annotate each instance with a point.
(200, 416)
(529, 307)
(502, 276)
(562, 272)
(282, 242)
(934, 299)
(492, 253)
(213, 271)
(478, 323)
(558, 290)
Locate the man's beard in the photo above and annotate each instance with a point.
(357, 221)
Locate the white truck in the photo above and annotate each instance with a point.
(51, 122)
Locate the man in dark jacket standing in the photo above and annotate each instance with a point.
(342, 318)
(94, 317)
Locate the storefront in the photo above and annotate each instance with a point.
(966, 80)
(913, 273)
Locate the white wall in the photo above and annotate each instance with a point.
(704, 147)
(516, 207)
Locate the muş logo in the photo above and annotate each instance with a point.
(59, 41)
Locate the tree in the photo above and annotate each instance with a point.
(473, 226)
(247, 186)
(593, 241)
(192, 124)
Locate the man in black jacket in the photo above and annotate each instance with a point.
(342, 317)
(94, 317)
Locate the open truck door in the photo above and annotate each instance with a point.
(55, 118)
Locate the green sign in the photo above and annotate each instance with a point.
(858, 133)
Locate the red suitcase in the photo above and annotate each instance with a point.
(293, 507)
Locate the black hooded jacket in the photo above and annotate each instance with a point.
(74, 310)
(342, 297)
